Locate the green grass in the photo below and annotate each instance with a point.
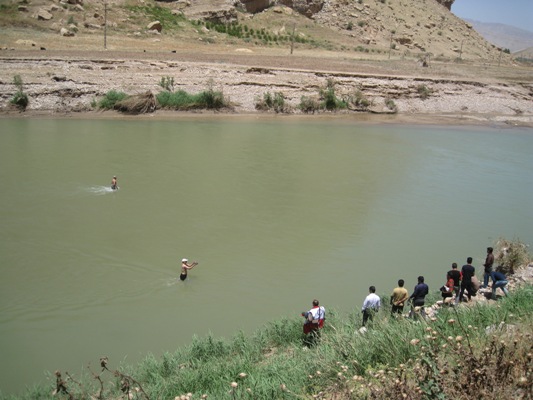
(273, 363)
(181, 100)
(110, 99)
(169, 21)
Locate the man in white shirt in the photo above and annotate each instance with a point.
(314, 321)
(371, 305)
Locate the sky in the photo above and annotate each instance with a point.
(518, 13)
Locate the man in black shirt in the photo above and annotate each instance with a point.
(468, 272)
(455, 274)
(488, 266)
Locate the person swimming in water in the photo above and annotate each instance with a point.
(114, 183)
(185, 267)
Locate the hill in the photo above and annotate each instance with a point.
(403, 28)
(506, 36)
(381, 56)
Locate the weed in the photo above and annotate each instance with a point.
(510, 255)
(329, 99)
(167, 83)
(423, 91)
(391, 105)
(181, 100)
(19, 99)
(269, 102)
(309, 105)
(110, 99)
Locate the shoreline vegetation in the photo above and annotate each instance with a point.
(480, 349)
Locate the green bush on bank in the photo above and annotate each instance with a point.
(109, 100)
(181, 100)
(396, 356)
(19, 99)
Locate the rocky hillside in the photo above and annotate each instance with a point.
(397, 28)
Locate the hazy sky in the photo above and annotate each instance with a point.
(518, 13)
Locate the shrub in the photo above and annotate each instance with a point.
(308, 104)
(391, 105)
(423, 91)
(329, 98)
(510, 255)
(269, 102)
(19, 99)
(181, 100)
(167, 83)
(359, 100)
(110, 99)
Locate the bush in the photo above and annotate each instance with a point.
(359, 100)
(423, 91)
(167, 83)
(110, 99)
(308, 105)
(391, 105)
(269, 102)
(329, 98)
(181, 100)
(19, 99)
(511, 255)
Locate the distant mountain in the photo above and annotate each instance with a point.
(506, 36)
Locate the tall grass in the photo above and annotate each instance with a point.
(181, 100)
(486, 347)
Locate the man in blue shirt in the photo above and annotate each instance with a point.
(418, 297)
(499, 280)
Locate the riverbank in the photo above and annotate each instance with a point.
(62, 83)
(445, 355)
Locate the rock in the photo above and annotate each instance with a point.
(155, 26)
(78, 8)
(305, 7)
(24, 42)
(65, 32)
(22, 8)
(44, 15)
(255, 6)
(447, 3)
(91, 26)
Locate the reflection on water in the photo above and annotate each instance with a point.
(277, 213)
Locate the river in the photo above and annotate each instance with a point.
(276, 211)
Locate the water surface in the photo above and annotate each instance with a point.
(276, 212)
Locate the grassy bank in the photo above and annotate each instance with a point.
(481, 351)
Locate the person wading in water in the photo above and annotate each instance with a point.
(185, 266)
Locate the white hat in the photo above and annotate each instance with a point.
(184, 260)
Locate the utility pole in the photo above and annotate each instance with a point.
(105, 24)
(292, 37)
(390, 44)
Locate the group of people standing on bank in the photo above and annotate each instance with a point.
(458, 283)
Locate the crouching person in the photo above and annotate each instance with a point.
(499, 280)
(314, 322)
